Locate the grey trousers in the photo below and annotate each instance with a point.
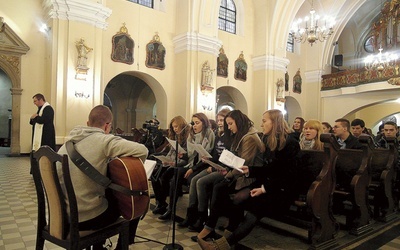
(201, 188)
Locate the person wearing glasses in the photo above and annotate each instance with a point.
(341, 130)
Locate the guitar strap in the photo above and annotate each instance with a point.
(95, 175)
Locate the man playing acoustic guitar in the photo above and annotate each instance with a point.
(95, 143)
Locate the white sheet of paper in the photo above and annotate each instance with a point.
(173, 144)
(199, 149)
(231, 160)
(149, 166)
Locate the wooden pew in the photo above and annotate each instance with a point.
(382, 168)
(319, 196)
(315, 182)
(352, 181)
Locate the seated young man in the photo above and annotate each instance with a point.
(95, 143)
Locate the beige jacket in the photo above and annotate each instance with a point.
(248, 148)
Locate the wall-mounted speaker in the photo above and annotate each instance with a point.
(338, 60)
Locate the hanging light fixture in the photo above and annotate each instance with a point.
(312, 32)
(380, 61)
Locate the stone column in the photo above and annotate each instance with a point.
(15, 148)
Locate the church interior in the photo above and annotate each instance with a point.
(156, 59)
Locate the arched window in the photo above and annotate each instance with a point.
(290, 43)
(227, 16)
(147, 3)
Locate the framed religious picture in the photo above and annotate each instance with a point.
(122, 46)
(155, 54)
(241, 68)
(297, 82)
(222, 63)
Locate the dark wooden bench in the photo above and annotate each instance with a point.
(315, 184)
(382, 167)
(352, 182)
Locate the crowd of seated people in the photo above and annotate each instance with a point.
(263, 185)
(268, 158)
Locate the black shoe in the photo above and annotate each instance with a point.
(160, 209)
(198, 226)
(191, 217)
(166, 216)
(184, 223)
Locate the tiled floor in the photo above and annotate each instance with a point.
(18, 219)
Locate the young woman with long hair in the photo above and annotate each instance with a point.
(161, 185)
(297, 127)
(274, 181)
(199, 133)
(310, 137)
(246, 144)
(201, 184)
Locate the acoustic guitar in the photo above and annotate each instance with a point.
(129, 172)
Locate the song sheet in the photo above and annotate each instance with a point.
(173, 144)
(199, 149)
(231, 160)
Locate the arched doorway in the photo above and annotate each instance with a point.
(5, 112)
(11, 50)
(375, 113)
(232, 98)
(292, 108)
(135, 98)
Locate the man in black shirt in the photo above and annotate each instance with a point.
(344, 137)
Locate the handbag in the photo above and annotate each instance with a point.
(127, 180)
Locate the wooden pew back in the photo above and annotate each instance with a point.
(316, 182)
(352, 181)
(382, 168)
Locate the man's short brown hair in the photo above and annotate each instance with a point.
(345, 123)
(39, 96)
(99, 116)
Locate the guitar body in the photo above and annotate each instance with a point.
(129, 172)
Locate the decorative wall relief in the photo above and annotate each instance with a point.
(241, 68)
(280, 91)
(81, 66)
(297, 82)
(222, 63)
(206, 77)
(155, 54)
(122, 46)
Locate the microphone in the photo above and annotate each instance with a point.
(190, 123)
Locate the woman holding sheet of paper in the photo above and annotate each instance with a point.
(246, 144)
(273, 186)
(201, 184)
(162, 185)
(199, 133)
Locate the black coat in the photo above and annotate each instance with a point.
(49, 133)
(278, 176)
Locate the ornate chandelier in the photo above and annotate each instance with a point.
(312, 32)
(380, 61)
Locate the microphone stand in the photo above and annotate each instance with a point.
(173, 245)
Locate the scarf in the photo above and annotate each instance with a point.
(37, 134)
(307, 144)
